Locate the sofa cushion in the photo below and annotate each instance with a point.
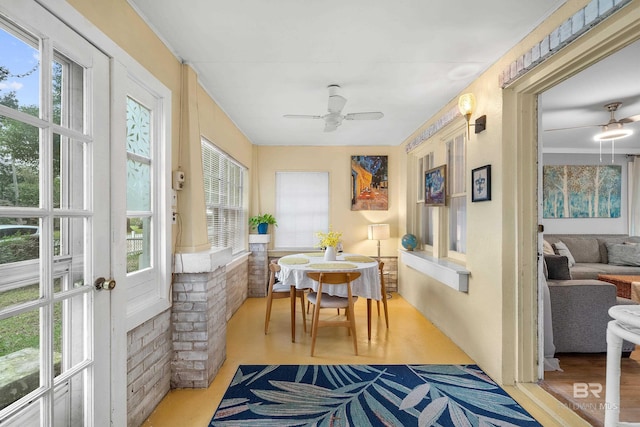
(589, 270)
(630, 270)
(557, 267)
(583, 249)
(562, 249)
(547, 249)
(622, 254)
(602, 241)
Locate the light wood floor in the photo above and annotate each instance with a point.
(411, 339)
(591, 368)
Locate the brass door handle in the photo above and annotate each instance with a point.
(106, 284)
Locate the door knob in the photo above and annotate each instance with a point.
(106, 284)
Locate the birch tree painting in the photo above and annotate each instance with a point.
(581, 191)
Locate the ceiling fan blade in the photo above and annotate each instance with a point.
(364, 116)
(336, 103)
(573, 127)
(300, 116)
(631, 119)
(330, 127)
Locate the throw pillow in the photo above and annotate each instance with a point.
(621, 254)
(562, 249)
(558, 267)
(547, 249)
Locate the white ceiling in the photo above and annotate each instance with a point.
(580, 100)
(260, 59)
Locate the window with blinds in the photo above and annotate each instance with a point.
(302, 208)
(456, 159)
(224, 180)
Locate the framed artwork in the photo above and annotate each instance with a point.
(369, 183)
(481, 184)
(435, 186)
(581, 191)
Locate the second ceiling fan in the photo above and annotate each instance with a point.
(613, 129)
(334, 116)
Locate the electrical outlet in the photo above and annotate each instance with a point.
(174, 217)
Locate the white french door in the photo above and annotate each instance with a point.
(54, 223)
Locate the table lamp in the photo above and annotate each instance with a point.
(379, 232)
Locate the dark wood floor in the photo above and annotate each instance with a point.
(591, 368)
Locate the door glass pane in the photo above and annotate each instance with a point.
(138, 243)
(68, 408)
(19, 72)
(67, 85)
(10, 296)
(138, 186)
(138, 128)
(19, 163)
(69, 333)
(19, 240)
(19, 356)
(68, 172)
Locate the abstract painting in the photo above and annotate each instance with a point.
(571, 191)
(369, 183)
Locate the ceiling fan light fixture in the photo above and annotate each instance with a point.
(611, 134)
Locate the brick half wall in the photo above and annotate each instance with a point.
(148, 367)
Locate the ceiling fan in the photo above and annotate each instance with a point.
(613, 129)
(334, 117)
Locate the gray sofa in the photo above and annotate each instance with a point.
(580, 303)
(591, 254)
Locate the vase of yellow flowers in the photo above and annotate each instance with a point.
(329, 241)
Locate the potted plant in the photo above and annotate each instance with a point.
(261, 222)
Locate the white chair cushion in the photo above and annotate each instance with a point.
(330, 301)
(281, 287)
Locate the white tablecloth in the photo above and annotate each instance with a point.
(365, 286)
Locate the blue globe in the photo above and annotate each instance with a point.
(409, 242)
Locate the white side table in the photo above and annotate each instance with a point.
(624, 326)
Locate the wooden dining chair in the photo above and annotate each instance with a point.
(322, 300)
(278, 290)
(383, 289)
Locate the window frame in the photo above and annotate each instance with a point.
(456, 177)
(148, 290)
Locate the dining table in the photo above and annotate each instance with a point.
(294, 269)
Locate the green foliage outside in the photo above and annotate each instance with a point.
(20, 186)
(22, 331)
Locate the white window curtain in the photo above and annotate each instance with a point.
(634, 192)
(302, 208)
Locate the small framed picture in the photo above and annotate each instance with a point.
(435, 186)
(481, 184)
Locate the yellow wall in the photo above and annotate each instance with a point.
(200, 115)
(336, 161)
(483, 321)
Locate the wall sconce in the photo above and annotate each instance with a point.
(379, 232)
(467, 105)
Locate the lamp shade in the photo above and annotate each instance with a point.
(467, 104)
(379, 232)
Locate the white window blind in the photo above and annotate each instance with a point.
(458, 200)
(224, 198)
(302, 208)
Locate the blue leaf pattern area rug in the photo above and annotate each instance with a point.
(367, 395)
